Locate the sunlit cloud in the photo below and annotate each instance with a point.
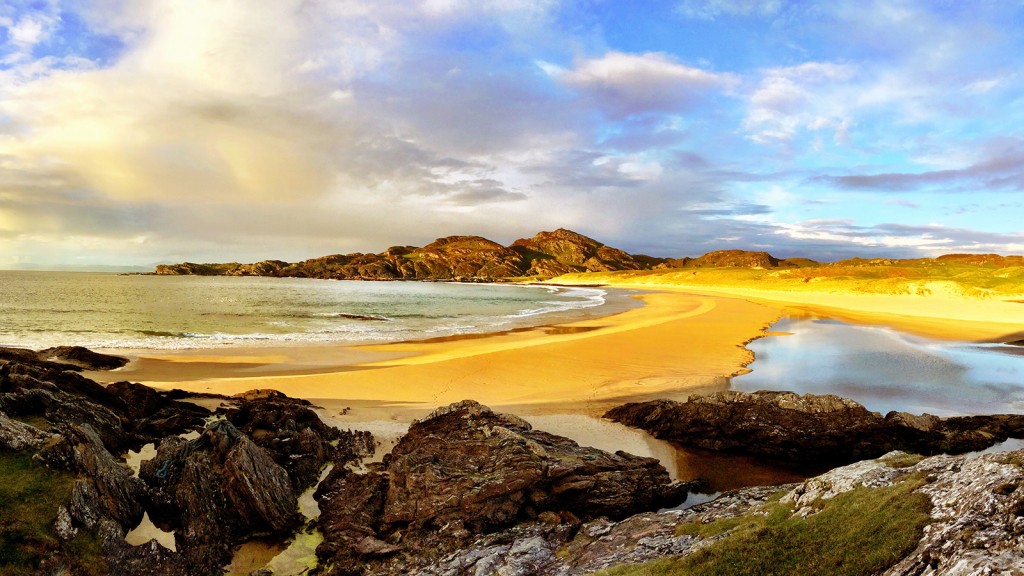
(156, 130)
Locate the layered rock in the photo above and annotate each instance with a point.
(216, 491)
(295, 437)
(466, 471)
(976, 525)
(809, 430)
(123, 415)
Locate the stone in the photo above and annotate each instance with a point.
(466, 471)
(814, 432)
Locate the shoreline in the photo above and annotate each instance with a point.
(672, 346)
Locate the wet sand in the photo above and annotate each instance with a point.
(675, 345)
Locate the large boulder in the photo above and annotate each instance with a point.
(814, 431)
(296, 438)
(216, 491)
(465, 470)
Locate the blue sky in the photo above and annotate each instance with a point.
(143, 131)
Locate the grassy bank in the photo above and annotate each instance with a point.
(29, 498)
(857, 533)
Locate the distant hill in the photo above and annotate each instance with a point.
(546, 255)
(477, 259)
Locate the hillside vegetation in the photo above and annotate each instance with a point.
(972, 276)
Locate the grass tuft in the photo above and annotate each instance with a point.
(29, 498)
(857, 533)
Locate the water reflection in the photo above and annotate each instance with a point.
(887, 370)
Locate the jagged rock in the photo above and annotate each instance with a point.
(977, 517)
(809, 431)
(113, 492)
(465, 470)
(216, 491)
(17, 436)
(124, 415)
(296, 437)
(152, 414)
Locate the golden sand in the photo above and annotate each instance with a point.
(676, 344)
(685, 339)
(936, 309)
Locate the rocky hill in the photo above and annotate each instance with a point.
(473, 258)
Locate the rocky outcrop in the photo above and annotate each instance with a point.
(16, 436)
(809, 431)
(214, 492)
(124, 415)
(295, 437)
(563, 251)
(83, 358)
(975, 524)
(466, 471)
(110, 490)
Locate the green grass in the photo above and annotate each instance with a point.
(857, 533)
(29, 498)
(903, 277)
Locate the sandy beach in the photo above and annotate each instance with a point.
(685, 339)
(674, 345)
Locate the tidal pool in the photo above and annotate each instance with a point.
(885, 369)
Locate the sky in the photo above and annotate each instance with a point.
(134, 132)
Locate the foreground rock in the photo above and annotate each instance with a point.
(228, 485)
(810, 431)
(975, 524)
(466, 471)
(295, 437)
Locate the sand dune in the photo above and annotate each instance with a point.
(936, 308)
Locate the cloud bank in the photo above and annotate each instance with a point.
(161, 130)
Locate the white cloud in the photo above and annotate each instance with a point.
(710, 9)
(626, 84)
(810, 96)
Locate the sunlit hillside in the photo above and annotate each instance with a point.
(945, 276)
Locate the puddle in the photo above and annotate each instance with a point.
(135, 459)
(147, 531)
(608, 436)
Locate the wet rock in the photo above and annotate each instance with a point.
(816, 432)
(217, 491)
(296, 437)
(83, 358)
(465, 470)
(112, 490)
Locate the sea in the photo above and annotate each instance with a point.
(105, 310)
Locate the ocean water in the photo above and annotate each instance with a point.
(885, 369)
(97, 310)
